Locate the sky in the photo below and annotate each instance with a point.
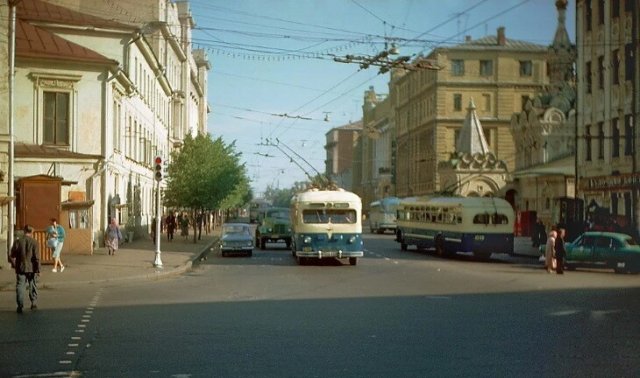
(275, 89)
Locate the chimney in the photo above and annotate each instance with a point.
(502, 40)
(467, 38)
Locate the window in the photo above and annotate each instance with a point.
(587, 143)
(615, 138)
(615, 8)
(600, 141)
(629, 62)
(600, 12)
(486, 67)
(56, 118)
(587, 14)
(614, 203)
(457, 102)
(628, 5)
(628, 135)
(615, 67)
(457, 67)
(601, 72)
(587, 76)
(487, 102)
(526, 68)
(603, 242)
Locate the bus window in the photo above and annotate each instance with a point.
(499, 219)
(314, 216)
(481, 219)
(339, 216)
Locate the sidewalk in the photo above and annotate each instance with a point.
(133, 261)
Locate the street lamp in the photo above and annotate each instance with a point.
(157, 162)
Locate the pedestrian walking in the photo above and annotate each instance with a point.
(549, 260)
(184, 225)
(24, 258)
(560, 251)
(55, 241)
(199, 221)
(170, 223)
(113, 237)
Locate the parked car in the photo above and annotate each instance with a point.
(236, 238)
(610, 250)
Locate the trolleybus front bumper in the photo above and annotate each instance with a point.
(340, 254)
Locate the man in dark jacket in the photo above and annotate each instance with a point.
(560, 251)
(24, 258)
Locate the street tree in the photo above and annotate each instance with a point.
(202, 174)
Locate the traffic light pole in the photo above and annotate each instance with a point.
(158, 261)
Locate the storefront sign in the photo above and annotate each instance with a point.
(617, 182)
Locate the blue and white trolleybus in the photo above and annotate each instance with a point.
(481, 225)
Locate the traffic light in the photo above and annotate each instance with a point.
(157, 166)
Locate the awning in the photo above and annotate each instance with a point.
(563, 167)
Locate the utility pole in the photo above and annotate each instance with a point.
(11, 214)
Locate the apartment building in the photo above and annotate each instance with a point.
(497, 73)
(608, 72)
(100, 90)
(377, 145)
(339, 147)
(5, 197)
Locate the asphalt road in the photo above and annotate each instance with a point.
(395, 314)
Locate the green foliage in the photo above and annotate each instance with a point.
(279, 197)
(204, 174)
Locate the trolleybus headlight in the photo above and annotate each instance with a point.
(352, 239)
(307, 239)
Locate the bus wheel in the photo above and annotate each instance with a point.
(440, 246)
(353, 260)
(482, 255)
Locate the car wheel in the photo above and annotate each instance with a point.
(263, 244)
(301, 260)
(250, 254)
(224, 254)
(353, 260)
(403, 246)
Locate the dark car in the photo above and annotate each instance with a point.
(236, 238)
(610, 250)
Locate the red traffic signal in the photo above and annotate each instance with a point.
(158, 168)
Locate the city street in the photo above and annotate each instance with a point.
(395, 314)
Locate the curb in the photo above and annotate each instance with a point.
(158, 274)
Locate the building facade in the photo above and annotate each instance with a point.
(339, 147)
(544, 136)
(497, 73)
(378, 147)
(608, 71)
(5, 197)
(99, 94)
